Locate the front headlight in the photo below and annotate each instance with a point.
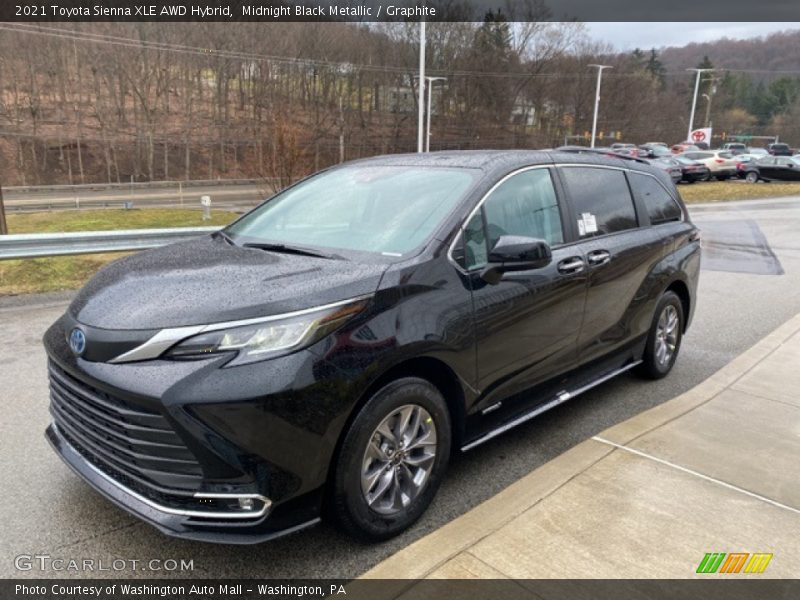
(268, 338)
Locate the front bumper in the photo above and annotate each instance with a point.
(263, 434)
(171, 521)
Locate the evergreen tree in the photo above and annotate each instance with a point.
(656, 69)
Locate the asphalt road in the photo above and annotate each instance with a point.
(230, 195)
(48, 510)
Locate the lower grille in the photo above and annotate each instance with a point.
(135, 446)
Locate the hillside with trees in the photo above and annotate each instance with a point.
(116, 102)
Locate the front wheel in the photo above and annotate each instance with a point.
(664, 338)
(392, 460)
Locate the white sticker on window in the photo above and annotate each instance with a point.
(581, 227)
(589, 222)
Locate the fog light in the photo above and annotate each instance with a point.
(246, 503)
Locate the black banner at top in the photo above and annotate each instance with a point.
(398, 10)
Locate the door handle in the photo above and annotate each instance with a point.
(598, 257)
(574, 264)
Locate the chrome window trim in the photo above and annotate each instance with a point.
(267, 503)
(164, 339)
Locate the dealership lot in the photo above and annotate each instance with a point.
(754, 286)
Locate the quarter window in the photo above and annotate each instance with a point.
(661, 207)
(523, 205)
(601, 199)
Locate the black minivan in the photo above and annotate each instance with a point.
(325, 353)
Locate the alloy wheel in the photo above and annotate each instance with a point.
(666, 335)
(398, 459)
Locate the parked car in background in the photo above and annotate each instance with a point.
(654, 150)
(618, 145)
(745, 158)
(757, 151)
(770, 168)
(630, 151)
(692, 170)
(734, 148)
(719, 162)
(779, 149)
(683, 147)
(670, 165)
(702, 145)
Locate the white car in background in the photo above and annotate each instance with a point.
(721, 163)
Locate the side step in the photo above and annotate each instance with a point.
(560, 398)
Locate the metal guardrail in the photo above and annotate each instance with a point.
(136, 185)
(37, 245)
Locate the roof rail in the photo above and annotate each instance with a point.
(609, 153)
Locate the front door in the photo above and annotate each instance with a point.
(527, 325)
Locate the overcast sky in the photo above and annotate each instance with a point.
(627, 36)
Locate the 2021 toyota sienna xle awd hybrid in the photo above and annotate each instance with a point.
(323, 355)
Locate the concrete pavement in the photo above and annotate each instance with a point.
(713, 470)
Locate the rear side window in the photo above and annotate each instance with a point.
(601, 199)
(661, 207)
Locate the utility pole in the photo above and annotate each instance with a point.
(597, 97)
(694, 100)
(421, 99)
(430, 81)
(3, 224)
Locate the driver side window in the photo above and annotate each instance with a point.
(524, 205)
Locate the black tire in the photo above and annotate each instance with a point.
(653, 366)
(751, 177)
(348, 504)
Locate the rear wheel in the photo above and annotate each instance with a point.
(751, 177)
(392, 460)
(664, 339)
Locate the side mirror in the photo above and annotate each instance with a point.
(515, 253)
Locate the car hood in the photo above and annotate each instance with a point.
(209, 281)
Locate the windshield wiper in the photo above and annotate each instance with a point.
(291, 250)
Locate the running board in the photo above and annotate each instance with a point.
(560, 398)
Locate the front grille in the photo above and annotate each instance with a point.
(135, 446)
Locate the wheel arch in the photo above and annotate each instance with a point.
(434, 371)
(680, 289)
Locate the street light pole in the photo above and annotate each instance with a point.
(694, 100)
(597, 98)
(430, 81)
(421, 99)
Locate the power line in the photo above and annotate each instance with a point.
(127, 42)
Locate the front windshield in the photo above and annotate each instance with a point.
(382, 209)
